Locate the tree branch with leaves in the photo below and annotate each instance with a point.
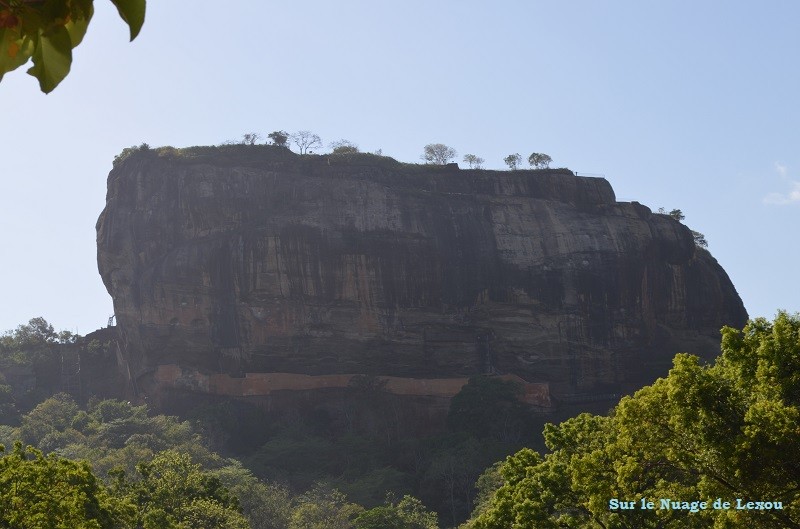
(46, 31)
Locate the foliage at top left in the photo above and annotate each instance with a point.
(46, 31)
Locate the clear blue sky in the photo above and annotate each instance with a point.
(690, 105)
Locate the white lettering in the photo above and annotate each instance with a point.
(758, 505)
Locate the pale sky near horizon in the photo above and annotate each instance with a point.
(690, 105)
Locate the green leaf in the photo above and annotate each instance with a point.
(77, 27)
(132, 12)
(52, 58)
(14, 50)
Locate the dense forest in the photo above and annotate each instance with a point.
(706, 446)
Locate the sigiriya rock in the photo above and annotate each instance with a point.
(240, 270)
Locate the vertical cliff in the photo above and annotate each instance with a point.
(250, 259)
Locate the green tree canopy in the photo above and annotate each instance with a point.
(513, 161)
(35, 334)
(250, 138)
(438, 153)
(699, 239)
(343, 147)
(279, 138)
(46, 32)
(323, 508)
(150, 458)
(266, 506)
(674, 213)
(409, 513)
(172, 492)
(52, 492)
(474, 162)
(48, 419)
(539, 160)
(728, 431)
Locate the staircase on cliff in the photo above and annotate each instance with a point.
(71, 372)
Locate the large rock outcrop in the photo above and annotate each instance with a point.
(250, 259)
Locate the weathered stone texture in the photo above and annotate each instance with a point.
(254, 260)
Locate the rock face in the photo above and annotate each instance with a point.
(250, 259)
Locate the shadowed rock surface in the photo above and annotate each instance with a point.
(251, 259)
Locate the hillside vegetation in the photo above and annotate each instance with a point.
(708, 446)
